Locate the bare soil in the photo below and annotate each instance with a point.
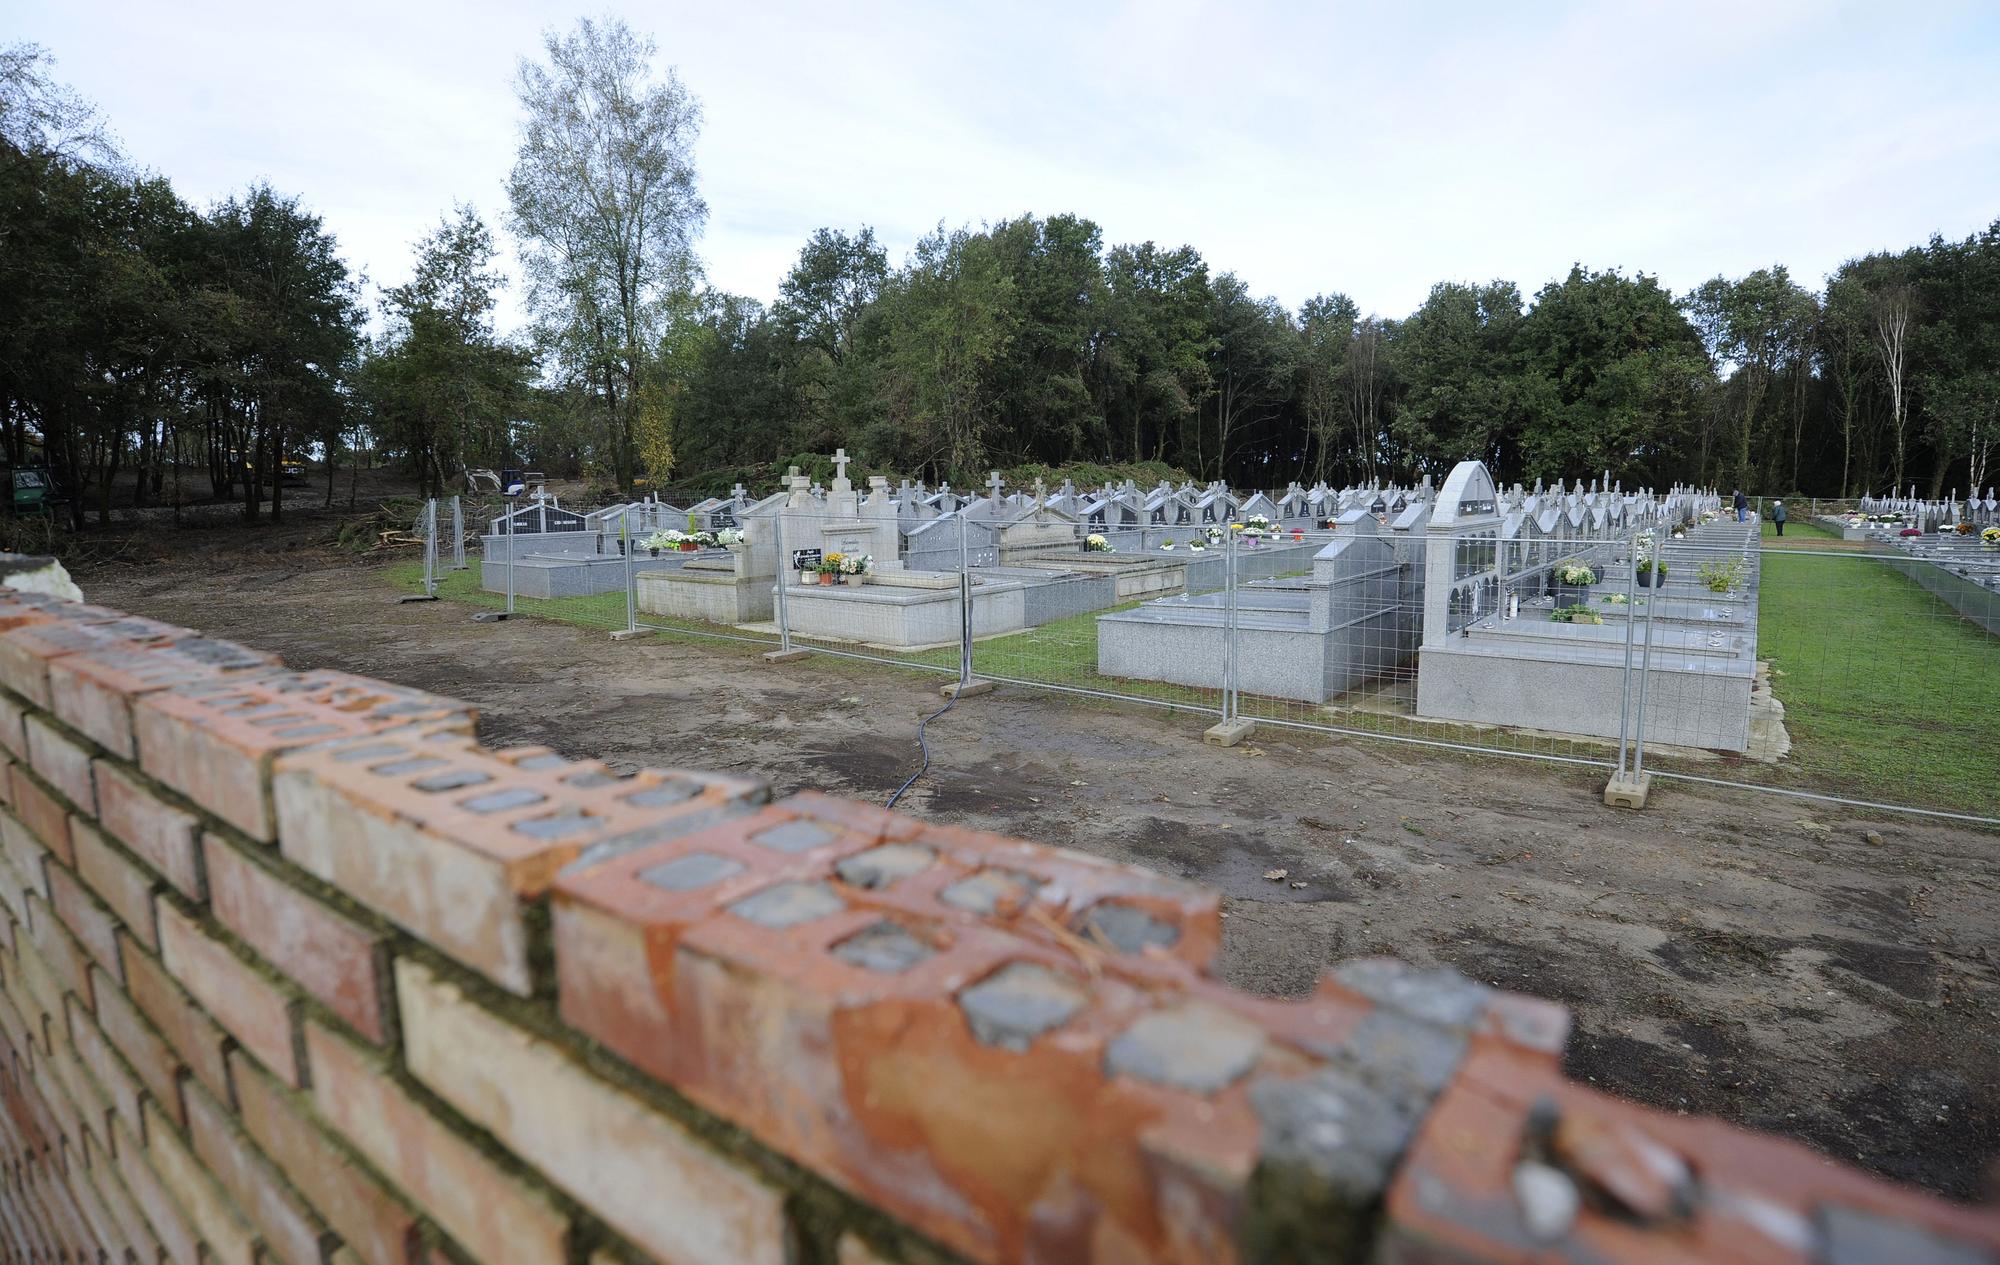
(1751, 957)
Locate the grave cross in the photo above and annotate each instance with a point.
(1041, 493)
(993, 483)
(840, 460)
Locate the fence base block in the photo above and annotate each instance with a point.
(785, 656)
(1626, 791)
(629, 634)
(489, 617)
(1229, 732)
(416, 597)
(971, 689)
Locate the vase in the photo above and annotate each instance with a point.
(1646, 578)
(852, 581)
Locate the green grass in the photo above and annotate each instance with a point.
(601, 610)
(1804, 535)
(1888, 693)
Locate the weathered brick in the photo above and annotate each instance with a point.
(62, 762)
(86, 917)
(335, 959)
(140, 1046)
(666, 1191)
(376, 1225)
(169, 1224)
(120, 882)
(248, 1006)
(106, 1066)
(117, 1241)
(27, 651)
(192, 1035)
(59, 950)
(493, 1214)
(164, 836)
(129, 1228)
(92, 691)
(451, 842)
(22, 867)
(214, 742)
(256, 1188)
(42, 813)
(209, 1212)
(13, 731)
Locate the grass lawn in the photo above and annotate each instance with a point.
(1888, 693)
(600, 610)
(1804, 535)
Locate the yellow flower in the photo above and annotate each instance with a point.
(1236, 527)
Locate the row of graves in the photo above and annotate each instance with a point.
(1890, 518)
(1951, 548)
(543, 550)
(1030, 557)
(1462, 595)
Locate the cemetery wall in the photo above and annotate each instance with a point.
(294, 970)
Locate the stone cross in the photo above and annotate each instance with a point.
(840, 460)
(993, 483)
(738, 492)
(1041, 493)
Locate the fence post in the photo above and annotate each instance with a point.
(631, 575)
(509, 534)
(1232, 728)
(964, 611)
(1627, 789)
(1645, 671)
(426, 526)
(786, 652)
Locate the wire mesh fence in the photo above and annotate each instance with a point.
(1696, 647)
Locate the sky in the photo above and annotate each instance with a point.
(1306, 147)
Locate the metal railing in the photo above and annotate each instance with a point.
(1868, 676)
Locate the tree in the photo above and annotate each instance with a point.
(1326, 331)
(1460, 367)
(604, 201)
(1844, 349)
(440, 385)
(1960, 353)
(1753, 327)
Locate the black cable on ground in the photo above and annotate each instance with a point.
(924, 746)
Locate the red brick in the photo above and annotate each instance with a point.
(92, 691)
(254, 1186)
(646, 1176)
(193, 1036)
(87, 918)
(104, 1227)
(140, 1046)
(42, 813)
(214, 742)
(452, 842)
(162, 835)
(169, 1224)
(22, 867)
(13, 732)
(118, 1200)
(492, 1214)
(26, 651)
(374, 1223)
(247, 1005)
(120, 882)
(81, 1090)
(335, 959)
(63, 762)
(65, 958)
(215, 1219)
(106, 1066)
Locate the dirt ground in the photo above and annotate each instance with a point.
(1752, 957)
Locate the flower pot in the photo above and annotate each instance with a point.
(1646, 578)
(1570, 594)
(689, 547)
(853, 581)
(654, 552)
(826, 577)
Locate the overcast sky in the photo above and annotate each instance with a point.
(1305, 147)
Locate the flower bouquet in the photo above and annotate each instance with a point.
(1095, 543)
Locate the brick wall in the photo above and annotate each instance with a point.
(294, 971)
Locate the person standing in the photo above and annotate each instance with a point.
(1742, 507)
(1778, 516)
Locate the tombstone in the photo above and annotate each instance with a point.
(1461, 559)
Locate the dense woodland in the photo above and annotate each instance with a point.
(182, 353)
